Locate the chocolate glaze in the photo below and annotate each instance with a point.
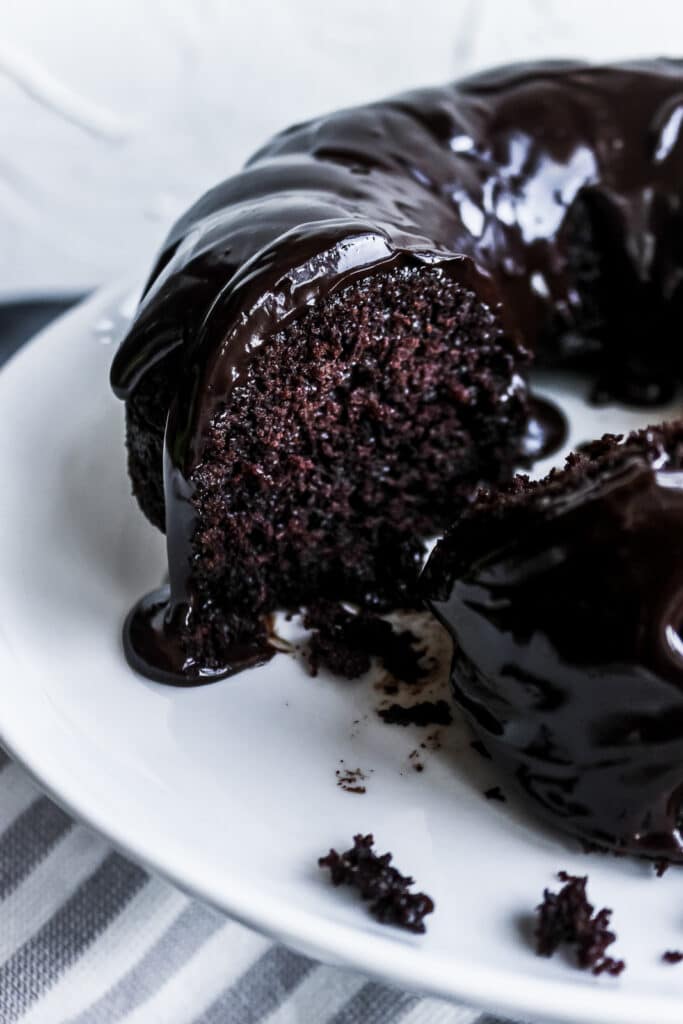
(567, 616)
(151, 641)
(480, 177)
(546, 431)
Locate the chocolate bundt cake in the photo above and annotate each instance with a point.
(565, 599)
(329, 355)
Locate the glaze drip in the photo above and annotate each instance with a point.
(547, 431)
(153, 647)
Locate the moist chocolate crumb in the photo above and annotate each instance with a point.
(609, 966)
(391, 689)
(350, 779)
(480, 749)
(381, 885)
(661, 866)
(495, 793)
(345, 642)
(432, 741)
(567, 918)
(418, 766)
(427, 712)
(330, 647)
(672, 956)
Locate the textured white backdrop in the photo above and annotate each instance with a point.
(117, 113)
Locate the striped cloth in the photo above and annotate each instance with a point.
(87, 937)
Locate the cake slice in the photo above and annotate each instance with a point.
(349, 439)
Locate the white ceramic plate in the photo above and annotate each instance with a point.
(230, 789)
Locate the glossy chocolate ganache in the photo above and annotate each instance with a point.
(532, 209)
(565, 601)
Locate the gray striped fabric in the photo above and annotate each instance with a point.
(86, 937)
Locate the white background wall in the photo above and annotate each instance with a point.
(115, 114)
